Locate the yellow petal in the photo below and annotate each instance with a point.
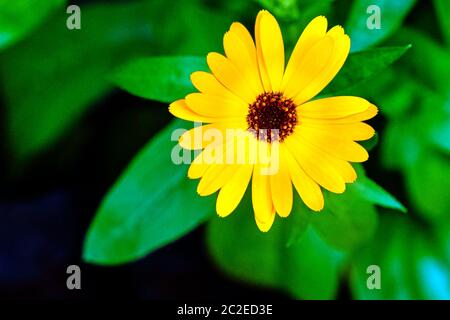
(230, 77)
(212, 154)
(246, 39)
(270, 45)
(332, 143)
(259, 53)
(340, 166)
(215, 106)
(347, 170)
(245, 61)
(180, 110)
(367, 114)
(336, 31)
(333, 107)
(356, 131)
(232, 192)
(281, 187)
(317, 167)
(311, 67)
(340, 52)
(205, 82)
(313, 32)
(215, 177)
(306, 187)
(262, 200)
(201, 136)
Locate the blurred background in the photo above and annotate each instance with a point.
(68, 133)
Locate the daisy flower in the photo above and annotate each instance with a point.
(250, 90)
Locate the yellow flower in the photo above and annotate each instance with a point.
(270, 106)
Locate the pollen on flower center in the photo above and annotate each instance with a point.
(272, 117)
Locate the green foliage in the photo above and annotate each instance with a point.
(413, 263)
(302, 254)
(392, 14)
(442, 8)
(429, 186)
(416, 140)
(361, 66)
(19, 17)
(352, 213)
(163, 79)
(308, 268)
(62, 71)
(166, 78)
(347, 220)
(152, 204)
(372, 192)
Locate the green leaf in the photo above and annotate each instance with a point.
(57, 73)
(152, 204)
(367, 189)
(363, 65)
(442, 8)
(391, 15)
(412, 262)
(347, 221)
(428, 186)
(307, 268)
(438, 133)
(164, 79)
(435, 74)
(19, 17)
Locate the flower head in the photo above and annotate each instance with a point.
(263, 125)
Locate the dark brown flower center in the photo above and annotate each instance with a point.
(272, 117)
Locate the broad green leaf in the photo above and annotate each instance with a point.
(363, 65)
(347, 221)
(57, 73)
(412, 262)
(164, 79)
(367, 189)
(19, 17)
(152, 204)
(360, 24)
(308, 268)
(314, 268)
